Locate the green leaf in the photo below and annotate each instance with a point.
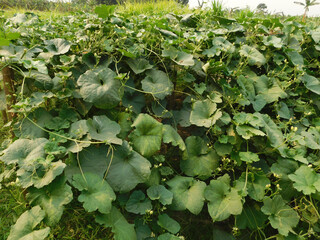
(179, 57)
(281, 216)
(220, 44)
(254, 183)
(39, 172)
(188, 193)
(222, 149)
(204, 113)
(138, 203)
(128, 168)
(272, 41)
(57, 123)
(305, 180)
(157, 83)
(159, 192)
(103, 129)
(283, 167)
(170, 135)
(251, 217)
(312, 83)
(168, 223)
(119, 226)
(223, 200)
(283, 111)
(268, 89)
(219, 234)
(52, 199)
(139, 65)
(315, 34)
(249, 157)
(104, 11)
(198, 159)
(25, 225)
(274, 133)
(27, 128)
(24, 151)
(296, 58)
(91, 160)
(168, 236)
(253, 55)
(248, 132)
(57, 46)
(312, 138)
(100, 87)
(54, 148)
(96, 193)
(147, 136)
(243, 118)
(4, 42)
(78, 129)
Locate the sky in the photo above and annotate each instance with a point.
(288, 7)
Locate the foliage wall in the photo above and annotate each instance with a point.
(165, 127)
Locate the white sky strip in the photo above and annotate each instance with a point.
(288, 7)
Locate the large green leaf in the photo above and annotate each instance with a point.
(296, 58)
(223, 200)
(52, 199)
(170, 135)
(312, 83)
(280, 215)
(274, 133)
(253, 55)
(24, 150)
(305, 180)
(39, 172)
(138, 203)
(120, 227)
(188, 193)
(315, 34)
(179, 57)
(139, 65)
(248, 132)
(159, 192)
(249, 157)
(92, 159)
(312, 138)
(78, 131)
(25, 225)
(168, 223)
(96, 193)
(127, 168)
(251, 217)
(147, 136)
(103, 129)
(204, 113)
(260, 90)
(157, 83)
(254, 183)
(198, 159)
(272, 41)
(100, 87)
(220, 44)
(27, 129)
(57, 46)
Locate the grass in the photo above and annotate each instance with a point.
(150, 7)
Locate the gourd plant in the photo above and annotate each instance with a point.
(154, 123)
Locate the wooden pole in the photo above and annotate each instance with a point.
(8, 87)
